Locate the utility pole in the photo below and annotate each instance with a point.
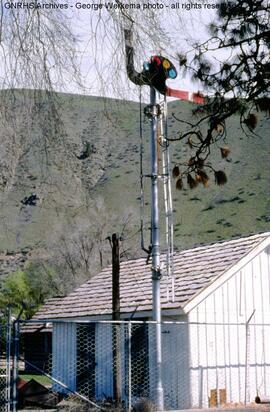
(15, 364)
(8, 359)
(116, 317)
(155, 254)
(115, 277)
(155, 77)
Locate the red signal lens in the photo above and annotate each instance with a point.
(157, 60)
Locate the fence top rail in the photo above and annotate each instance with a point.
(127, 322)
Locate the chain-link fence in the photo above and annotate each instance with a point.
(5, 366)
(3, 374)
(109, 365)
(103, 364)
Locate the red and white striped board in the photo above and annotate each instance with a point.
(184, 95)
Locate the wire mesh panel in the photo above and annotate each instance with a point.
(176, 365)
(258, 361)
(5, 386)
(139, 364)
(104, 365)
(2, 374)
(90, 360)
(217, 364)
(86, 360)
(113, 362)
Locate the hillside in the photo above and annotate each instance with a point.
(89, 174)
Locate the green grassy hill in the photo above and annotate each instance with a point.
(48, 187)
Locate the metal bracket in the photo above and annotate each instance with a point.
(156, 273)
(152, 110)
(154, 176)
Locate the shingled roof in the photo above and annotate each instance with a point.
(194, 270)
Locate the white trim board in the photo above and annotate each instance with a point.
(221, 279)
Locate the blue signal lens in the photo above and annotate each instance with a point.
(172, 74)
(146, 66)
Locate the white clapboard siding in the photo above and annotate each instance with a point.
(176, 383)
(218, 352)
(64, 362)
(104, 382)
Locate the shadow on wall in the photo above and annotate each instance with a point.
(176, 366)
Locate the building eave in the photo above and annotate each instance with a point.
(224, 277)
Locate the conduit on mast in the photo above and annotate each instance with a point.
(166, 174)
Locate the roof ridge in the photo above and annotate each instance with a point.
(229, 240)
(196, 247)
(176, 254)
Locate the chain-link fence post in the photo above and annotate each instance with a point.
(116, 328)
(247, 360)
(247, 363)
(8, 359)
(15, 364)
(129, 368)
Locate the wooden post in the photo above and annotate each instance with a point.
(115, 277)
(116, 317)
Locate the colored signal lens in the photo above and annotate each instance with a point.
(166, 64)
(146, 66)
(157, 60)
(172, 74)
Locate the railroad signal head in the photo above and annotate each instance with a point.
(158, 69)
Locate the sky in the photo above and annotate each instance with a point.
(181, 24)
(164, 27)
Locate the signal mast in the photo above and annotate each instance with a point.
(154, 74)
